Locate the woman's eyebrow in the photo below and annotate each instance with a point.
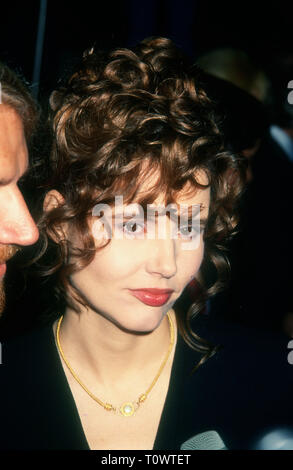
(159, 211)
(203, 220)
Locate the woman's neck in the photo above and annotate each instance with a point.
(107, 355)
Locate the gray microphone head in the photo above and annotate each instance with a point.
(209, 440)
(275, 439)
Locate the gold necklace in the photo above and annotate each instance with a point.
(127, 408)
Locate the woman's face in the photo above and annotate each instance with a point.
(119, 283)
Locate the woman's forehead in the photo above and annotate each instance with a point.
(189, 194)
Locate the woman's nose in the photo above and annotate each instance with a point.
(162, 258)
(16, 223)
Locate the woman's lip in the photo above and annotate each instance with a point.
(152, 297)
(154, 291)
(2, 269)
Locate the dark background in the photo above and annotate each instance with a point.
(259, 28)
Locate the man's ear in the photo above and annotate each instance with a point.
(54, 199)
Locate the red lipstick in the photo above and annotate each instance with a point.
(152, 297)
(2, 269)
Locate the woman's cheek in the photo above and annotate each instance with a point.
(191, 262)
(123, 256)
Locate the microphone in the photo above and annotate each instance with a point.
(209, 440)
(275, 439)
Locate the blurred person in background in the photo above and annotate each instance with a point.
(261, 255)
(280, 144)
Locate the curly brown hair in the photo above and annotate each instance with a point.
(117, 112)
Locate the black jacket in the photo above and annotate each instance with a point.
(244, 389)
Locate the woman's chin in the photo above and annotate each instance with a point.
(142, 323)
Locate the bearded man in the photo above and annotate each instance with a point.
(18, 116)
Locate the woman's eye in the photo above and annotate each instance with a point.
(188, 231)
(133, 228)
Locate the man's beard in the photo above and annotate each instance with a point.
(6, 252)
(2, 296)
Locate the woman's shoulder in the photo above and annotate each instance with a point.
(238, 350)
(251, 371)
(248, 354)
(36, 406)
(244, 388)
(27, 359)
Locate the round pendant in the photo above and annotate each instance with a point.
(127, 409)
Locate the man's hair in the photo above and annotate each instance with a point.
(121, 117)
(15, 93)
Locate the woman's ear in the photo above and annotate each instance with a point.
(53, 200)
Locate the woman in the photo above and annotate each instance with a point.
(132, 130)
